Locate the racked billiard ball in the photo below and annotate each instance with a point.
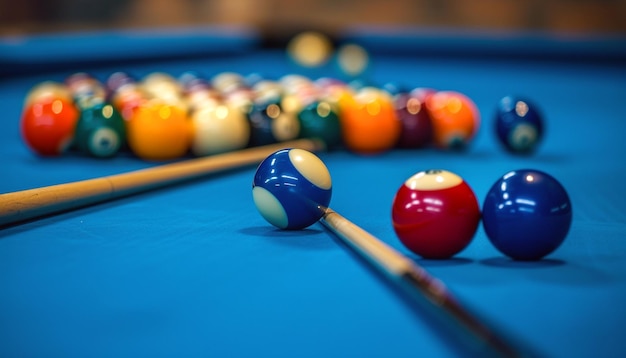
(435, 214)
(218, 129)
(47, 126)
(417, 128)
(518, 124)
(84, 88)
(100, 130)
(319, 119)
(47, 90)
(159, 131)
(292, 188)
(269, 123)
(369, 124)
(317, 115)
(527, 214)
(455, 119)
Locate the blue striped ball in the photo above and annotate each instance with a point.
(292, 188)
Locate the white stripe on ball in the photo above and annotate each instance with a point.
(311, 167)
(433, 180)
(270, 208)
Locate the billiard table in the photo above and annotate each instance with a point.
(194, 270)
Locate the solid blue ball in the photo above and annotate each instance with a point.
(292, 189)
(527, 214)
(519, 125)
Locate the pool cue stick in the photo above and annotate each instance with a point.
(29, 204)
(429, 292)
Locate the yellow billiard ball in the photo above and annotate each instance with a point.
(159, 131)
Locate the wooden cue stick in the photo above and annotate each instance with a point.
(430, 293)
(29, 204)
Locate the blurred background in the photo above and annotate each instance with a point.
(553, 16)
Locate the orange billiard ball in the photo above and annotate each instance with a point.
(369, 123)
(455, 119)
(47, 125)
(159, 131)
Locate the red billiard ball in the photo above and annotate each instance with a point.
(47, 126)
(435, 214)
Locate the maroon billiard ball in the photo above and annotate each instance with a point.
(417, 130)
(435, 214)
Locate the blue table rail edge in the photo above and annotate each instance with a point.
(42, 53)
(53, 51)
(481, 44)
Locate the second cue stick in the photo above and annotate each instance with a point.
(33, 203)
(430, 293)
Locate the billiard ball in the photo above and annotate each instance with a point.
(310, 49)
(435, 214)
(455, 119)
(317, 116)
(298, 92)
(159, 131)
(518, 125)
(189, 78)
(227, 82)
(162, 86)
(269, 123)
(47, 125)
(527, 214)
(332, 90)
(292, 188)
(320, 120)
(394, 88)
(369, 123)
(118, 80)
(47, 90)
(264, 86)
(218, 129)
(293, 81)
(417, 128)
(127, 99)
(268, 91)
(84, 88)
(100, 131)
(198, 93)
(352, 59)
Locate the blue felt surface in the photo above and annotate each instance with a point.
(194, 270)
